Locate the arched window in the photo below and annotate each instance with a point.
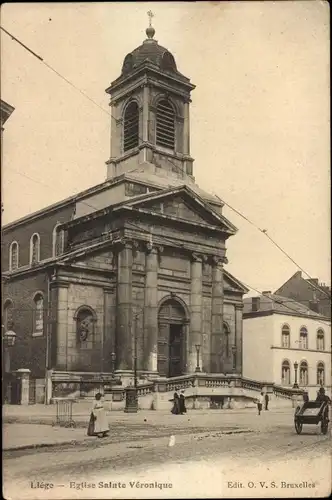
(303, 373)
(34, 249)
(303, 338)
(285, 372)
(165, 124)
(320, 374)
(285, 336)
(227, 332)
(8, 308)
(131, 126)
(38, 320)
(57, 241)
(13, 256)
(85, 318)
(320, 340)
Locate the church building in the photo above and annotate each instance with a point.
(129, 272)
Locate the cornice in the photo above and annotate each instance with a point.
(298, 349)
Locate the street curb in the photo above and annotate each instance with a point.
(74, 442)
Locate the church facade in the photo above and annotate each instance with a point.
(128, 275)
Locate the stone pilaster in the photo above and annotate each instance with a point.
(195, 336)
(145, 117)
(151, 309)
(124, 353)
(108, 345)
(238, 338)
(186, 129)
(217, 306)
(61, 324)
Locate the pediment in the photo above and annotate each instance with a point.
(232, 284)
(182, 204)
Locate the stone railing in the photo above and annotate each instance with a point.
(286, 393)
(144, 389)
(212, 381)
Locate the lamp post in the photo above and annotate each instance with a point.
(296, 385)
(234, 350)
(131, 392)
(113, 358)
(198, 348)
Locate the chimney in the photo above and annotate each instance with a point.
(255, 304)
(314, 305)
(267, 292)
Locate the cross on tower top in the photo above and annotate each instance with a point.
(150, 30)
(151, 15)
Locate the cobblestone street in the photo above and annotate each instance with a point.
(206, 460)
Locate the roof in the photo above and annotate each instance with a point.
(6, 111)
(151, 52)
(272, 303)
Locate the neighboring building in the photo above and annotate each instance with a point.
(277, 332)
(5, 112)
(133, 265)
(309, 292)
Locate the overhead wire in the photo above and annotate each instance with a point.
(263, 231)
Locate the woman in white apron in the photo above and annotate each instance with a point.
(98, 425)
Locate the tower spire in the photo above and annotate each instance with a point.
(150, 31)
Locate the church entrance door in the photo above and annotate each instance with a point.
(171, 339)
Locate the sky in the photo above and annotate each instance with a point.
(260, 119)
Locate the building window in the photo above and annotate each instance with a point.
(38, 320)
(320, 340)
(226, 339)
(131, 126)
(303, 338)
(303, 373)
(8, 308)
(165, 128)
(85, 318)
(13, 256)
(320, 374)
(285, 373)
(285, 336)
(58, 241)
(34, 249)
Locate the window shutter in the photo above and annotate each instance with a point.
(165, 130)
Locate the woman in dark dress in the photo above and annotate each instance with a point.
(182, 402)
(176, 404)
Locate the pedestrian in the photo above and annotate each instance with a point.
(260, 401)
(176, 404)
(98, 424)
(266, 401)
(322, 397)
(305, 397)
(182, 402)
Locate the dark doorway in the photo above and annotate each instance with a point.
(15, 393)
(171, 339)
(175, 350)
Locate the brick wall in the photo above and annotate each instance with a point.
(28, 352)
(43, 225)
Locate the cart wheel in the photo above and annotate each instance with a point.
(298, 427)
(324, 426)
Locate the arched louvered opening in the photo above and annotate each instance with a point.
(131, 126)
(165, 129)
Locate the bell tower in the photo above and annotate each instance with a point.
(150, 114)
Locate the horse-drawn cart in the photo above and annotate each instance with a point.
(313, 413)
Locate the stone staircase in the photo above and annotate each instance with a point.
(206, 391)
